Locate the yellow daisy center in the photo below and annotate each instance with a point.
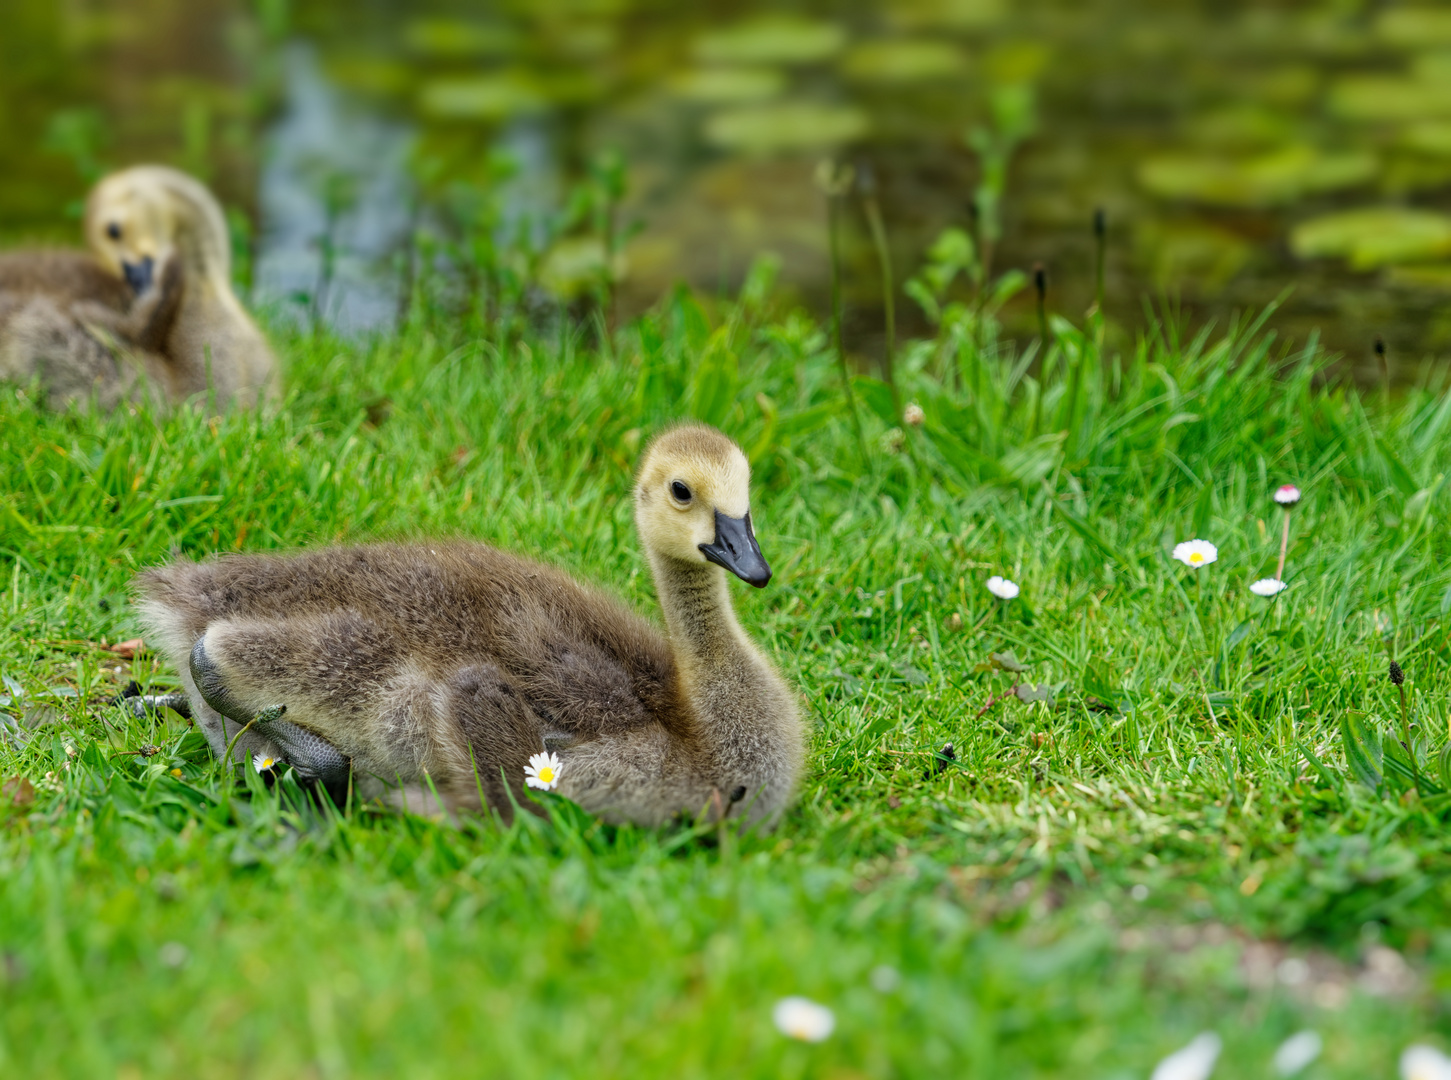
(268, 762)
(546, 774)
(1195, 558)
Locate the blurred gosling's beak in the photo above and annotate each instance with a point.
(736, 549)
(138, 274)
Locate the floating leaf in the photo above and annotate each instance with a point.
(903, 61)
(1430, 137)
(484, 97)
(455, 39)
(1280, 176)
(1374, 236)
(1415, 27)
(800, 125)
(772, 39)
(1388, 98)
(728, 86)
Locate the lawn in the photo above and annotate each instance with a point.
(1172, 806)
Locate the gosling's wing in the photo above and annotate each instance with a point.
(64, 275)
(581, 659)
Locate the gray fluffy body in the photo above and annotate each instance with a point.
(437, 669)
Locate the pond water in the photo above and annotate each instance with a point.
(1237, 149)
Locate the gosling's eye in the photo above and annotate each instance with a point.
(680, 491)
(113, 231)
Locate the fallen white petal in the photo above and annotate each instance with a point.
(801, 1018)
(1194, 1062)
(1297, 1052)
(1423, 1062)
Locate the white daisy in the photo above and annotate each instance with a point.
(1002, 588)
(1196, 553)
(912, 415)
(1287, 494)
(1194, 1062)
(1297, 1052)
(263, 762)
(543, 771)
(801, 1018)
(1267, 586)
(1425, 1063)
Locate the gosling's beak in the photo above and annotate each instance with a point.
(138, 274)
(736, 549)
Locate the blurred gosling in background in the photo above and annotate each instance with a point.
(448, 665)
(149, 309)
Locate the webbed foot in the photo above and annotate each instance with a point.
(136, 703)
(314, 758)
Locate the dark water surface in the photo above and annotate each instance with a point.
(1237, 148)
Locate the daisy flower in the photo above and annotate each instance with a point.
(1287, 494)
(1297, 1052)
(1002, 588)
(1268, 586)
(1425, 1063)
(1196, 553)
(263, 762)
(801, 1018)
(912, 415)
(543, 771)
(1194, 1062)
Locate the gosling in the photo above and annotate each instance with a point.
(437, 670)
(151, 305)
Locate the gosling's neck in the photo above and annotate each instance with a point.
(696, 601)
(746, 721)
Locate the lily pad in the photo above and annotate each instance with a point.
(800, 125)
(1435, 277)
(1375, 236)
(455, 39)
(1432, 137)
(1281, 176)
(772, 39)
(577, 264)
(1433, 66)
(903, 61)
(1415, 27)
(483, 97)
(947, 14)
(1388, 98)
(728, 86)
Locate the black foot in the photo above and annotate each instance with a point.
(316, 760)
(139, 704)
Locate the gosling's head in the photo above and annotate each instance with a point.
(138, 218)
(693, 502)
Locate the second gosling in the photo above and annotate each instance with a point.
(445, 666)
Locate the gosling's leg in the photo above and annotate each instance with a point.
(314, 758)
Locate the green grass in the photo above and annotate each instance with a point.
(1093, 881)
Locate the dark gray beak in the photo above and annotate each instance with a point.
(138, 274)
(736, 549)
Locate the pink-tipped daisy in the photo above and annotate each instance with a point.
(1287, 495)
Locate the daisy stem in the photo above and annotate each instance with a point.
(1284, 547)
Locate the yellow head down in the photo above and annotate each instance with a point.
(693, 502)
(138, 218)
